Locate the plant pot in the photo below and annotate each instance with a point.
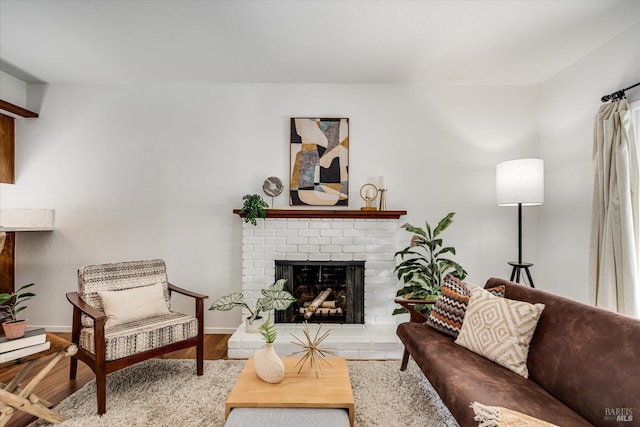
(14, 329)
(268, 365)
(253, 327)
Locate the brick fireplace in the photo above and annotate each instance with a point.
(316, 236)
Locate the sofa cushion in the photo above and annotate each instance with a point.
(461, 377)
(448, 312)
(500, 329)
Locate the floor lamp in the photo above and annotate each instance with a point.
(520, 183)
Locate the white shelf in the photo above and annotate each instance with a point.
(27, 220)
(19, 229)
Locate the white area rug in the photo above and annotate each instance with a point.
(165, 392)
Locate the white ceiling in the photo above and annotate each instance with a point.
(428, 42)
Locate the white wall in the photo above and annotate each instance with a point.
(154, 171)
(568, 105)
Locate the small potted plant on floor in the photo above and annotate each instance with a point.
(12, 304)
(274, 298)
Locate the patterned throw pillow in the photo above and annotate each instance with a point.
(448, 311)
(500, 329)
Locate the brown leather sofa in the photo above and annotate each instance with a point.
(584, 365)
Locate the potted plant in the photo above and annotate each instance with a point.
(12, 304)
(268, 365)
(274, 298)
(254, 207)
(423, 264)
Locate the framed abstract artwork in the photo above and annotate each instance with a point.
(319, 162)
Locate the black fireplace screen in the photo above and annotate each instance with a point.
(325, 291)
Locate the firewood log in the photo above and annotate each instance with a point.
(316, 302)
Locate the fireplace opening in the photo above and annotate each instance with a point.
(325, 291)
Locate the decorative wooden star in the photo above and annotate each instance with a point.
(313, 354)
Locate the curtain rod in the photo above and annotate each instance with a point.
(617, 95)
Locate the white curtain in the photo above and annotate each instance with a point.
(615, 248)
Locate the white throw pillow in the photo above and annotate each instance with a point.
(500, 329)
(133, 304)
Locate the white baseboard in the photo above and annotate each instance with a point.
(67, 329)
(219, 330)
(50, 328)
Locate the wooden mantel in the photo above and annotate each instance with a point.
(330, 213)
(17, 110)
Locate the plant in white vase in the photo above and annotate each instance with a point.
(274, 298)
(268, 365)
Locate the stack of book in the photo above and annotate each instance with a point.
(33, 341)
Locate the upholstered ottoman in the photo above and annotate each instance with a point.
(277, 417)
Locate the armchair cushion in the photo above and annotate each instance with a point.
(133, 304)
(118, 276)
(135, 337)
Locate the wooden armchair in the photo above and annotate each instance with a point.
(121, 317)
(415, 316)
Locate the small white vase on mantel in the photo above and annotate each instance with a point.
(269, 367)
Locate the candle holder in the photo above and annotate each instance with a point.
(369, 193)
(382, 188)
(383, 199)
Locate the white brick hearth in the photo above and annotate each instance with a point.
(366, 341)
(326, 239)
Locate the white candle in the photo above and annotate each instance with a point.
(369, 193)
(383, 182)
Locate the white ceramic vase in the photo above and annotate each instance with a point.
(253, 327)
(268, 365)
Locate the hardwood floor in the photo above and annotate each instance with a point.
(56, 385)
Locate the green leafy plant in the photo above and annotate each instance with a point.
(424, 264)
(254, 207)
(269, 331)
(274, 298)
(12, 304)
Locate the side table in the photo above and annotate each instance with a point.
(15, 397)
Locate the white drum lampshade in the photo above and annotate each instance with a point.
(520, 181)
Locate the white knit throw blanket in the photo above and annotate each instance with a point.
(496, 416)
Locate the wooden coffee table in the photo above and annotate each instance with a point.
(332, 389)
